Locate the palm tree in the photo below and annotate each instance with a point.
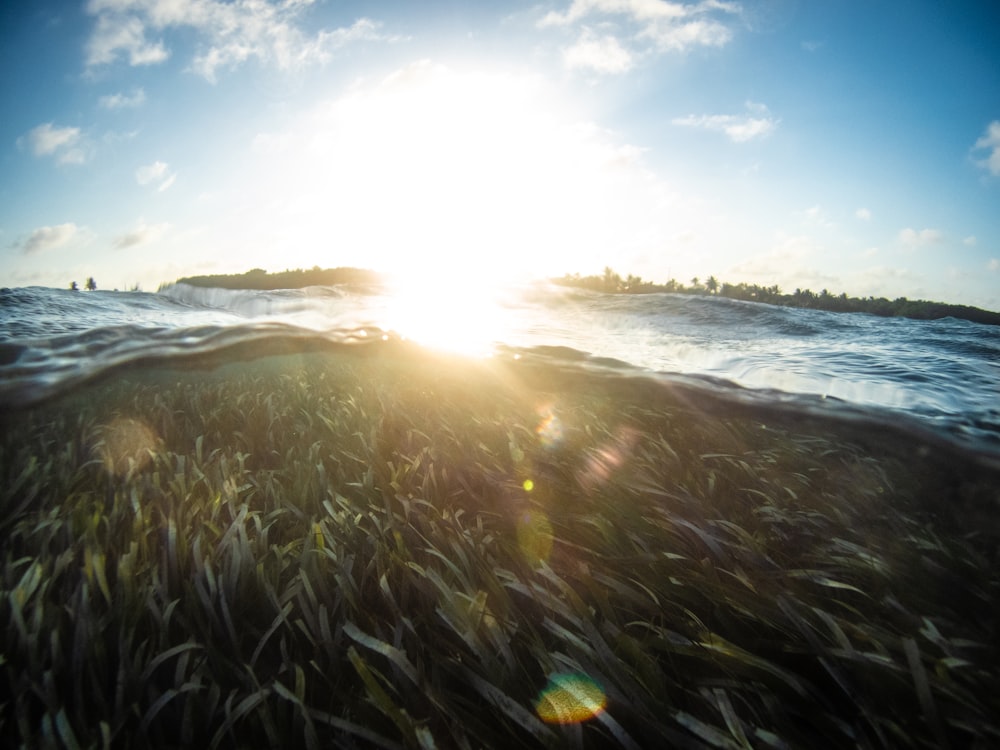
(612, 281)
(91, 284)
(712, 284)
(73, 287)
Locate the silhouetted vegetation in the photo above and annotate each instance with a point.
(612, 283)
(260, 279)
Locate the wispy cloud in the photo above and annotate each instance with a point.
(231, 33)
(141, 235)
(117, 32)
(123, 101)
(993, 265)
(970, 241)
(990, 142)
(756, 122)
(602, 54)
(816, 216)
(864, 214)
(790, 262)
(48, 238)
(915, 238)
(66, 144)
(650, 25)
(157, 174)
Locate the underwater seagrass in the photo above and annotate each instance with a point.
(404, 550)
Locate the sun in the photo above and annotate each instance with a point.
(492, 169)
(457, 181)
(449, 310)
(467, 168)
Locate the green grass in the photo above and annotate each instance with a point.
(342, 551)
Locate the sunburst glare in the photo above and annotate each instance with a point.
(445, 311)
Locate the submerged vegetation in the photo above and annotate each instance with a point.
(392, 550)
(613, 283)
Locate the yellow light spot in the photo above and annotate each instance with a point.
(528, 485)
(570, 698)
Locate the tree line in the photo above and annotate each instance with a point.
(611, 282)
(259, 279)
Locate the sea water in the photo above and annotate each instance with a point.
(942, 376)
(787, 517)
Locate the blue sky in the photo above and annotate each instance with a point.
(853, 146)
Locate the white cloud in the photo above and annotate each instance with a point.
(864, 214)
(756, 122)
(647, 11)
(990, 141)
(786, 262)
(601, 54)
(914, 238)
(65, 144)
(230, 33)
(678, 37)
(49, 238)
(816, 216)
(116, 34)
(656, 25)
(888, 281)
(141, 235)
(123, 101)
(994, 264)
(970, 241)
(158, 173)
(46, 139)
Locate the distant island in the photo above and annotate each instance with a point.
(611, 282)
(260, 279)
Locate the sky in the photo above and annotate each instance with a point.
(848, 146)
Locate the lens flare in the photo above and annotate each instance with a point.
(549, 429)
(608, 458)
(570, 698)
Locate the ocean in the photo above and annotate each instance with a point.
(536, 517)
(941, 376)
